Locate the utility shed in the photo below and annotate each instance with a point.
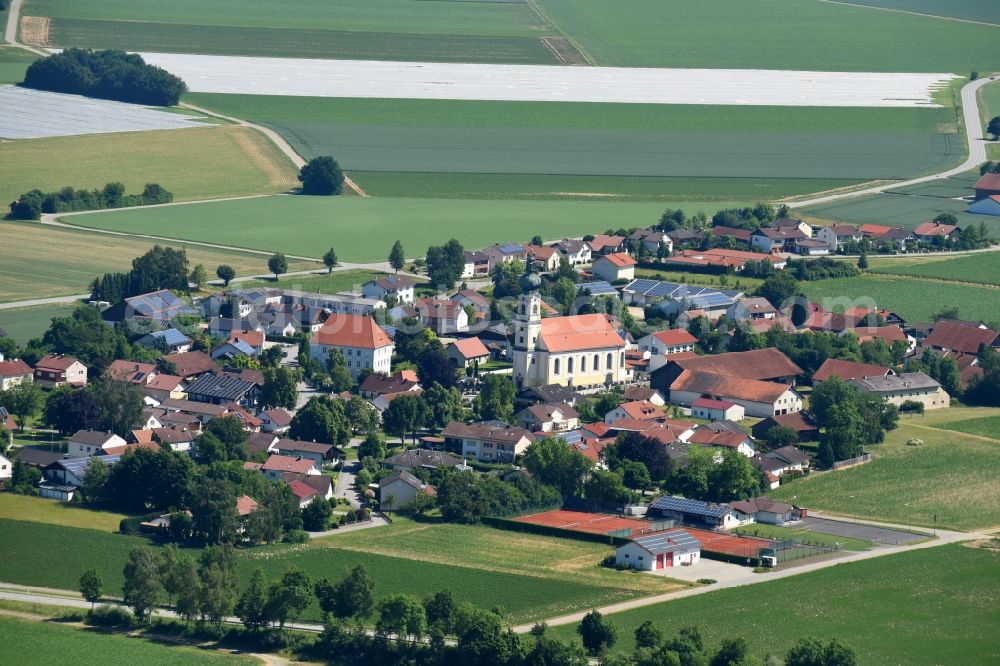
(672, 548)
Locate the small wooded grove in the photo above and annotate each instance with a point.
(31, 205)
(105, 74)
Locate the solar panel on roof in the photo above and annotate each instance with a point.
(642, 285)
(696, 507)
(678, 541)
(599, 288)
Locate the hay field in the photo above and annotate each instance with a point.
(192, 163)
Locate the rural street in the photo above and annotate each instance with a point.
(973, 134)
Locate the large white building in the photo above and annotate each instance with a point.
(579, 350)
(362, 342)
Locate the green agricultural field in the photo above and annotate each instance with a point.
(929, 606)
(985, 11)
(196, 163)
(72, 259)
(524, 598)
(951, 476)
(48, 643)
(914, 299)
(52, 512)
(989, 100)
(13, 61)
(899, 210)
(547, 149)
(323, 284)
(982, 268)
(827, 36)
(477, 547)
(23, 324)
(386, 30)
(363, 230)
(988, 426)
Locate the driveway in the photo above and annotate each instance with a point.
(880, 535)
(720, 571)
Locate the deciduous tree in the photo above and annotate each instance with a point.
(277, 264)
(226, 273)
(322, 176)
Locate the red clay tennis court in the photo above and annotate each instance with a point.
(600, 523)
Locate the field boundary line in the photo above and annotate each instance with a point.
(893, 10)
(959, 433)
(568, 37)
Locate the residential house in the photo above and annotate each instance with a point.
(71, 471)
(765, 511)
(237, 345)
(906, 387)
(961, 336)
(275, 420)
(671, 548)
(581, 350)
(783, 460)
(897, 237)
(7, 428)
(800, 422)
(398, 287)
(320, 454)
(158, 307)
(638, 411)
(727, 439)
(846, 370)
(60, 370)
(35, 457)
(223, 389)
(694, 512)
(987, 186)
(505, 253)
(376, 384)
(770, 240)
(751, 308)
(639, 393)
(175, 438)
(400, 489)
(441, 315)
(6, 467)
(838, 234)
(276, 465)
(169, 341)
(686, 237)
(602, 244)
(261, 442)
(477, 264)
(548, 418)
(473, 299)
(930, 231)
(616, 266)
(576, 252)
(788, 223)
(467, 352)
(14, 372)
(92, 443)
(411, 460)
(307, 487)
(717, 410)
(811, 247)
(653, 241)
(190, 365)
(360, 339)
(490, 441)
(695, 302)
(546, 258)
(758, 398)
(741, 237)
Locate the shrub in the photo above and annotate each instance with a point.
(32, 204)
(297, 536)
(707, 581)
(110, 616)
(107, 75)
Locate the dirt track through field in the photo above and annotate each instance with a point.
(258, 155)
(35, 30)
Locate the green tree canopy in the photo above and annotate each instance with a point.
(322, 176)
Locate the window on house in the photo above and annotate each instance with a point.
(555, 367)
(569, 365)
(583, 364)
(610, 361)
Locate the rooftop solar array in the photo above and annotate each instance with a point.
(695, 507)
(32, 114)
(571, 437)
(171, 336)
(599, 288)
(675, 290)
(78, 466)
(677, 541)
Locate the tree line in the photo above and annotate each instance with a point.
(31, 204)
(160, 268)
(105, 74)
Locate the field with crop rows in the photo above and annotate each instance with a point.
(951, 476)
(828, 36)
(925, 607)
(523, 597)
(49, 643)
(363, 230)
(982, 268)
(985, 11)
(552, 149)
(912, 298)
(388, 30)
(72, 259)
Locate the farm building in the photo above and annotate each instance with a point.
(716, 410)
(988, 206)
(672, 548)
(846, 370)
(906, 387)
(987, 186)
(800, 422)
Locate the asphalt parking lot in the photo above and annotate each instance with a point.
(881, 535)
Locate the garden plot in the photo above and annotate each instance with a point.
(32, 114)
(540, 83)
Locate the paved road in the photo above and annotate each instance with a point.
(43, 301)
(973, 134)
(854, 530)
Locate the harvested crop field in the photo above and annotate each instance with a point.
(217, 161)
(33, 114)
(72, 259)
(539, 83)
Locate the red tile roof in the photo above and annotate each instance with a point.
(15, 368)
(351, 330)
(252, 338)
(192, 363)
(989, 181)
(934, 229)
(768, 363)
(55, 362)
(874, 230)
(709, 437)
(835, 367)
(602, 241)
(675, 337)
(471, 348)
(619, 259)
(641, 410)
(726, 386)
(540, 251)
(278, 416)
(579, 333)
(245, 505)
(959, 336)
(288, 464)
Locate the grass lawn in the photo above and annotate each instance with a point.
(324, 284)
(195, 163)
(13, 61)
(23, 324)
(952, 476)
(929, 606)
(52, 512)
(827, 36)
(477, 547)
(982, 268)
(989, 101)
(912, 298)
(805, 536)
(473, 149)
(364, 230)
(43, 261)
(988, 426)
(745, 284)
(47, 642)
(524, 598)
